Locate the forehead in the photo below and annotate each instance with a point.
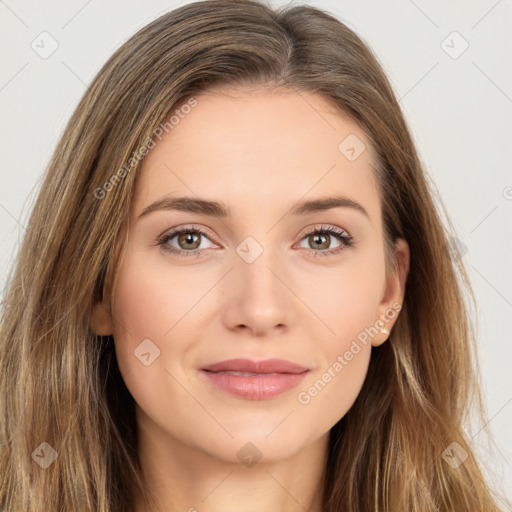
(246, 146)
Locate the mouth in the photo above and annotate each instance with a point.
(255, 380)
(243, 374)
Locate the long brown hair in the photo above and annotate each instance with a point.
(60, 383)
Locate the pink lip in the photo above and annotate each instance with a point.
(273, 377)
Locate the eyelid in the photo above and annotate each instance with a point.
(322, 227)
(187, 227)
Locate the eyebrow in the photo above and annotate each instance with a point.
(219, 209)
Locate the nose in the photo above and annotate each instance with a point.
(257, 297)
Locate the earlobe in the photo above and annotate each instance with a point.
(392, 301)
(101, 320)
(382, 335)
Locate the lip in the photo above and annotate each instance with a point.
(271, 378)
(264, 366)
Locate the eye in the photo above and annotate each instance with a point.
(188, 240)
(321, 238)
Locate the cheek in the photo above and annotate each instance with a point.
(347, 298)
(331, 392)
(348, 305)
(148, 302)
(147, 311)
(333, 388)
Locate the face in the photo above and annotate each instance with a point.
(195, 288)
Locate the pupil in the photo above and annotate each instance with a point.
(189, 238)
(318, 239)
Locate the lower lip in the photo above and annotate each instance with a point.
(259, 387)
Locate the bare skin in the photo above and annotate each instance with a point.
(259, 153)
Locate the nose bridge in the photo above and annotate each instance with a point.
(255, 268)
(257, 298)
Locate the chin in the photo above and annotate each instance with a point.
(250, 449)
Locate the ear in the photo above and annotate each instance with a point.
(394, 292)
(100, 320)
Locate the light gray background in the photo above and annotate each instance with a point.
(458, 106)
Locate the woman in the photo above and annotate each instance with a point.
(235, 290)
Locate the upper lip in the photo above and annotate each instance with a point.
(265, 366)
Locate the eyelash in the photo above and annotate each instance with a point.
(345, 239)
